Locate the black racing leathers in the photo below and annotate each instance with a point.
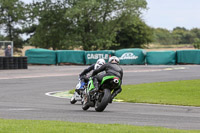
(110, 69)
(87, 70)
(83, 76)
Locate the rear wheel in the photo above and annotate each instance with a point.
(103, 100)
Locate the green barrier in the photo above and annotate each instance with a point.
(41, 56)
(92, 56)
(161, 58)
(70, 56)
(188, 56)
(131, 56)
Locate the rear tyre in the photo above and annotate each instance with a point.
(103, 100)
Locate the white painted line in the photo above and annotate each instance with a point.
(54, 92)
(38, 76)
(21, 109)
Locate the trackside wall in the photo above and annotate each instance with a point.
(127, 56)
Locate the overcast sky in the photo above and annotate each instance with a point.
(171, 13)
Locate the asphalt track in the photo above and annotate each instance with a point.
(22, 96)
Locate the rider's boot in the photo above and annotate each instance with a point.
(82, 85)
(114, 94)
(96, 85)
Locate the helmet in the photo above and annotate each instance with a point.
(99, 63)
(114, 60)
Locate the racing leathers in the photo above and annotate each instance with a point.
(87, 70)
(110, 69)
(83, 77)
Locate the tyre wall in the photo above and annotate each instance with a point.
(13, 63)
(70, 56)
(188, 57)
(126, 56)
(161, 58)
(41, 56)
(131, 56)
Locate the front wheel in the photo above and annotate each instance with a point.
(73, 100)
(103, 100)
(85, 102)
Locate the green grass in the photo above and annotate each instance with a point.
(41, 126)
(72, 91)
(185, 92)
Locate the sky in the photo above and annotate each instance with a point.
(170, 13)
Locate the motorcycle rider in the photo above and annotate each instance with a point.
(83, 74)
(111, 68)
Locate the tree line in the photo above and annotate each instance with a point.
(84, 24)
(179, 35)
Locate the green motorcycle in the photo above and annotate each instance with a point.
(102, 97)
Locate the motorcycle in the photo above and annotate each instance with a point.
(78, 94)
(102, 97)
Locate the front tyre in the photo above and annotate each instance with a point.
(103, 100)
(73, 100)
(85, 103)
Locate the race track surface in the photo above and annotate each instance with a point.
(23, 97)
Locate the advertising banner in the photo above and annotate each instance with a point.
(131, 56)
(92, 56)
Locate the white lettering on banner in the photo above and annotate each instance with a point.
(97, 56)
(128, 55)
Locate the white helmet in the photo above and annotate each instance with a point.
(99, 63)
(114, 60)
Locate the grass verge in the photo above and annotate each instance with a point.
(184, 92)
(41, 126)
